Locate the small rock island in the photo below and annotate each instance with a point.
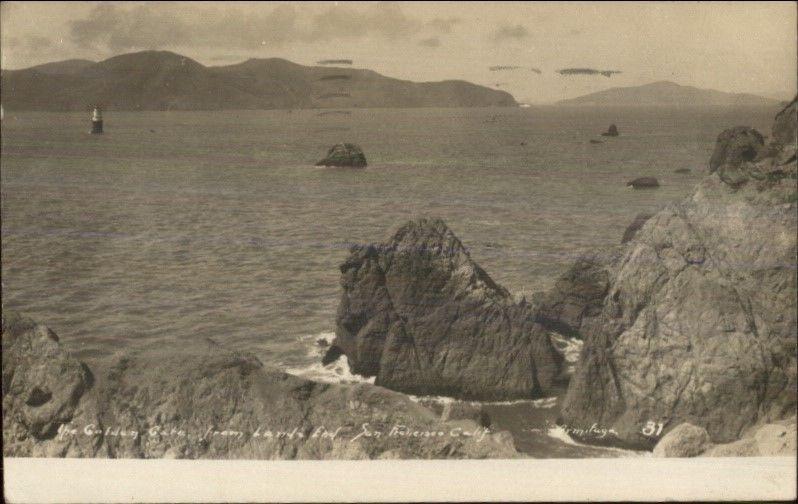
(344, 155)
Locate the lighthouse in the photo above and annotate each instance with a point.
(97, 122)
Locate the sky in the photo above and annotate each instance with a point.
(729, 46)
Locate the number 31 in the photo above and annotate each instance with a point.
(653, 428)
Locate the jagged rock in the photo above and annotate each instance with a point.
(612, 131)
(643, 183)
(634, 226)
(699, 322)
(419, 314)
(203, 401)
(577, 297)
(344, 155)
(684, 440)
(736, 145)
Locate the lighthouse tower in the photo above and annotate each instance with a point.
(97, 122)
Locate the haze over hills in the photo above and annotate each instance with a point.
(666, 93)
(162, 80)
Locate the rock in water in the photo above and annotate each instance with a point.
(344, 155)
(682, 171)
(643, 183)
(699, 321)
(419, 314)
(612, 131)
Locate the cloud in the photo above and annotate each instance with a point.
(161, 25)
(430, 42)
(587, 71)
(444, 25)
(507, 32)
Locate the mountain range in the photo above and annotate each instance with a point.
(667, 93)
(162, 80)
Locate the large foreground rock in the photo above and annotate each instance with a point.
(203, 401)
(419, 314)
(699, 321)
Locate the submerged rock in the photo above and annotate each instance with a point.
(612, 131)
(419, 314)
(204, 401)
(643, 183)
(344, 155)
(699, 321)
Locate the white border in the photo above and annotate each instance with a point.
(649, 479)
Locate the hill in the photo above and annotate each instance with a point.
(668, 93)
(162, 80)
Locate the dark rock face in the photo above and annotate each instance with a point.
(419, 314)
(634, 226)
(643, 183)
(699, 322)
(612, 131)
(576, 300)
(735, 146)
(159, 393)
(344, 155)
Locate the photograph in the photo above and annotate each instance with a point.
(399, 251)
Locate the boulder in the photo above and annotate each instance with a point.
(776, 439)
(643, 183)
(634, 226)
(684, 440)
(612, 131)
(204, 401)
(699, 321)
(577, 297)
(419, 314)
(344, 155)
(736, 145)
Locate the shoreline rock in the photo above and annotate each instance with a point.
(206, 402)
(699, 321)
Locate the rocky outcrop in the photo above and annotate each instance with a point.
(643, 183)
(419, 314)
(345, 155)
(204, 401)
(612, 131)
(699, 321)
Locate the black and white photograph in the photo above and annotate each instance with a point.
(278, 233)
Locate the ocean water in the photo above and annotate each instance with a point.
(180, 226)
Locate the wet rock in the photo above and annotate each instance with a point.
(684, 440)
(643, 183)
(419, 314)
(344, 155)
